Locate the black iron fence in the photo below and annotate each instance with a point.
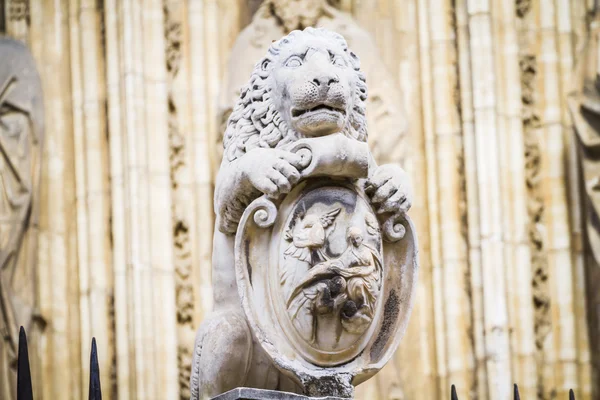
(25, 392)
(516, 395)
(24, 387)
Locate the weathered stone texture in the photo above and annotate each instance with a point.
(136, 96)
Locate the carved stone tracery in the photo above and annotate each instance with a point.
(182, 245)
(542, 324)
(18, 10)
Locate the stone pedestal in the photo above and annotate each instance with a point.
(244, 393)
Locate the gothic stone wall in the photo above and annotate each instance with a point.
(131, 102)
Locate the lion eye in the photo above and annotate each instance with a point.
(293, 62)
(339, 61)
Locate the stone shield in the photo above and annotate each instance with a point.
(326, 284)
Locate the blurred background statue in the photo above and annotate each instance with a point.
(584, 104)
(585, 109)
(21, 132)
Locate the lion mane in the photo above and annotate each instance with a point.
(255, 120)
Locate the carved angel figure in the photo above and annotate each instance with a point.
(354, 276)
(21, 130)
(307, 238)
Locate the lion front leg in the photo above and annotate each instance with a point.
(389, 189)
(259, 171)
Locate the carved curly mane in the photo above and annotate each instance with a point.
(255, 120)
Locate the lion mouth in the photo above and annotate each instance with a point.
(321, 107)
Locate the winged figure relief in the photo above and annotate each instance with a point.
(307, 237)
(323, 290)
(350, 284)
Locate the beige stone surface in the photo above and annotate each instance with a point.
(125, 230)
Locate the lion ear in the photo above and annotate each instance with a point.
(355, 60)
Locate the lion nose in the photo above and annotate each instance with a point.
(325, 80)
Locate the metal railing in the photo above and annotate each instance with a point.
(516, 395)
(25, 392)
(24, 387)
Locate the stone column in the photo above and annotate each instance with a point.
(144, 273)
(91, 168)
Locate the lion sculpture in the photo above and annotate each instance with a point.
(308, 85)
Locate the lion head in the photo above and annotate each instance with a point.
(309, 84)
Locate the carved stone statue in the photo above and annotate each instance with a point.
(275, 18)
(21, 134)
(314, 259)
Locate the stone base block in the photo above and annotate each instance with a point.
(244, 393)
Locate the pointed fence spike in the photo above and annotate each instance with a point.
(95, 389)
(516, 395)
(24, 390)
(571, 395)
(453, 395)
